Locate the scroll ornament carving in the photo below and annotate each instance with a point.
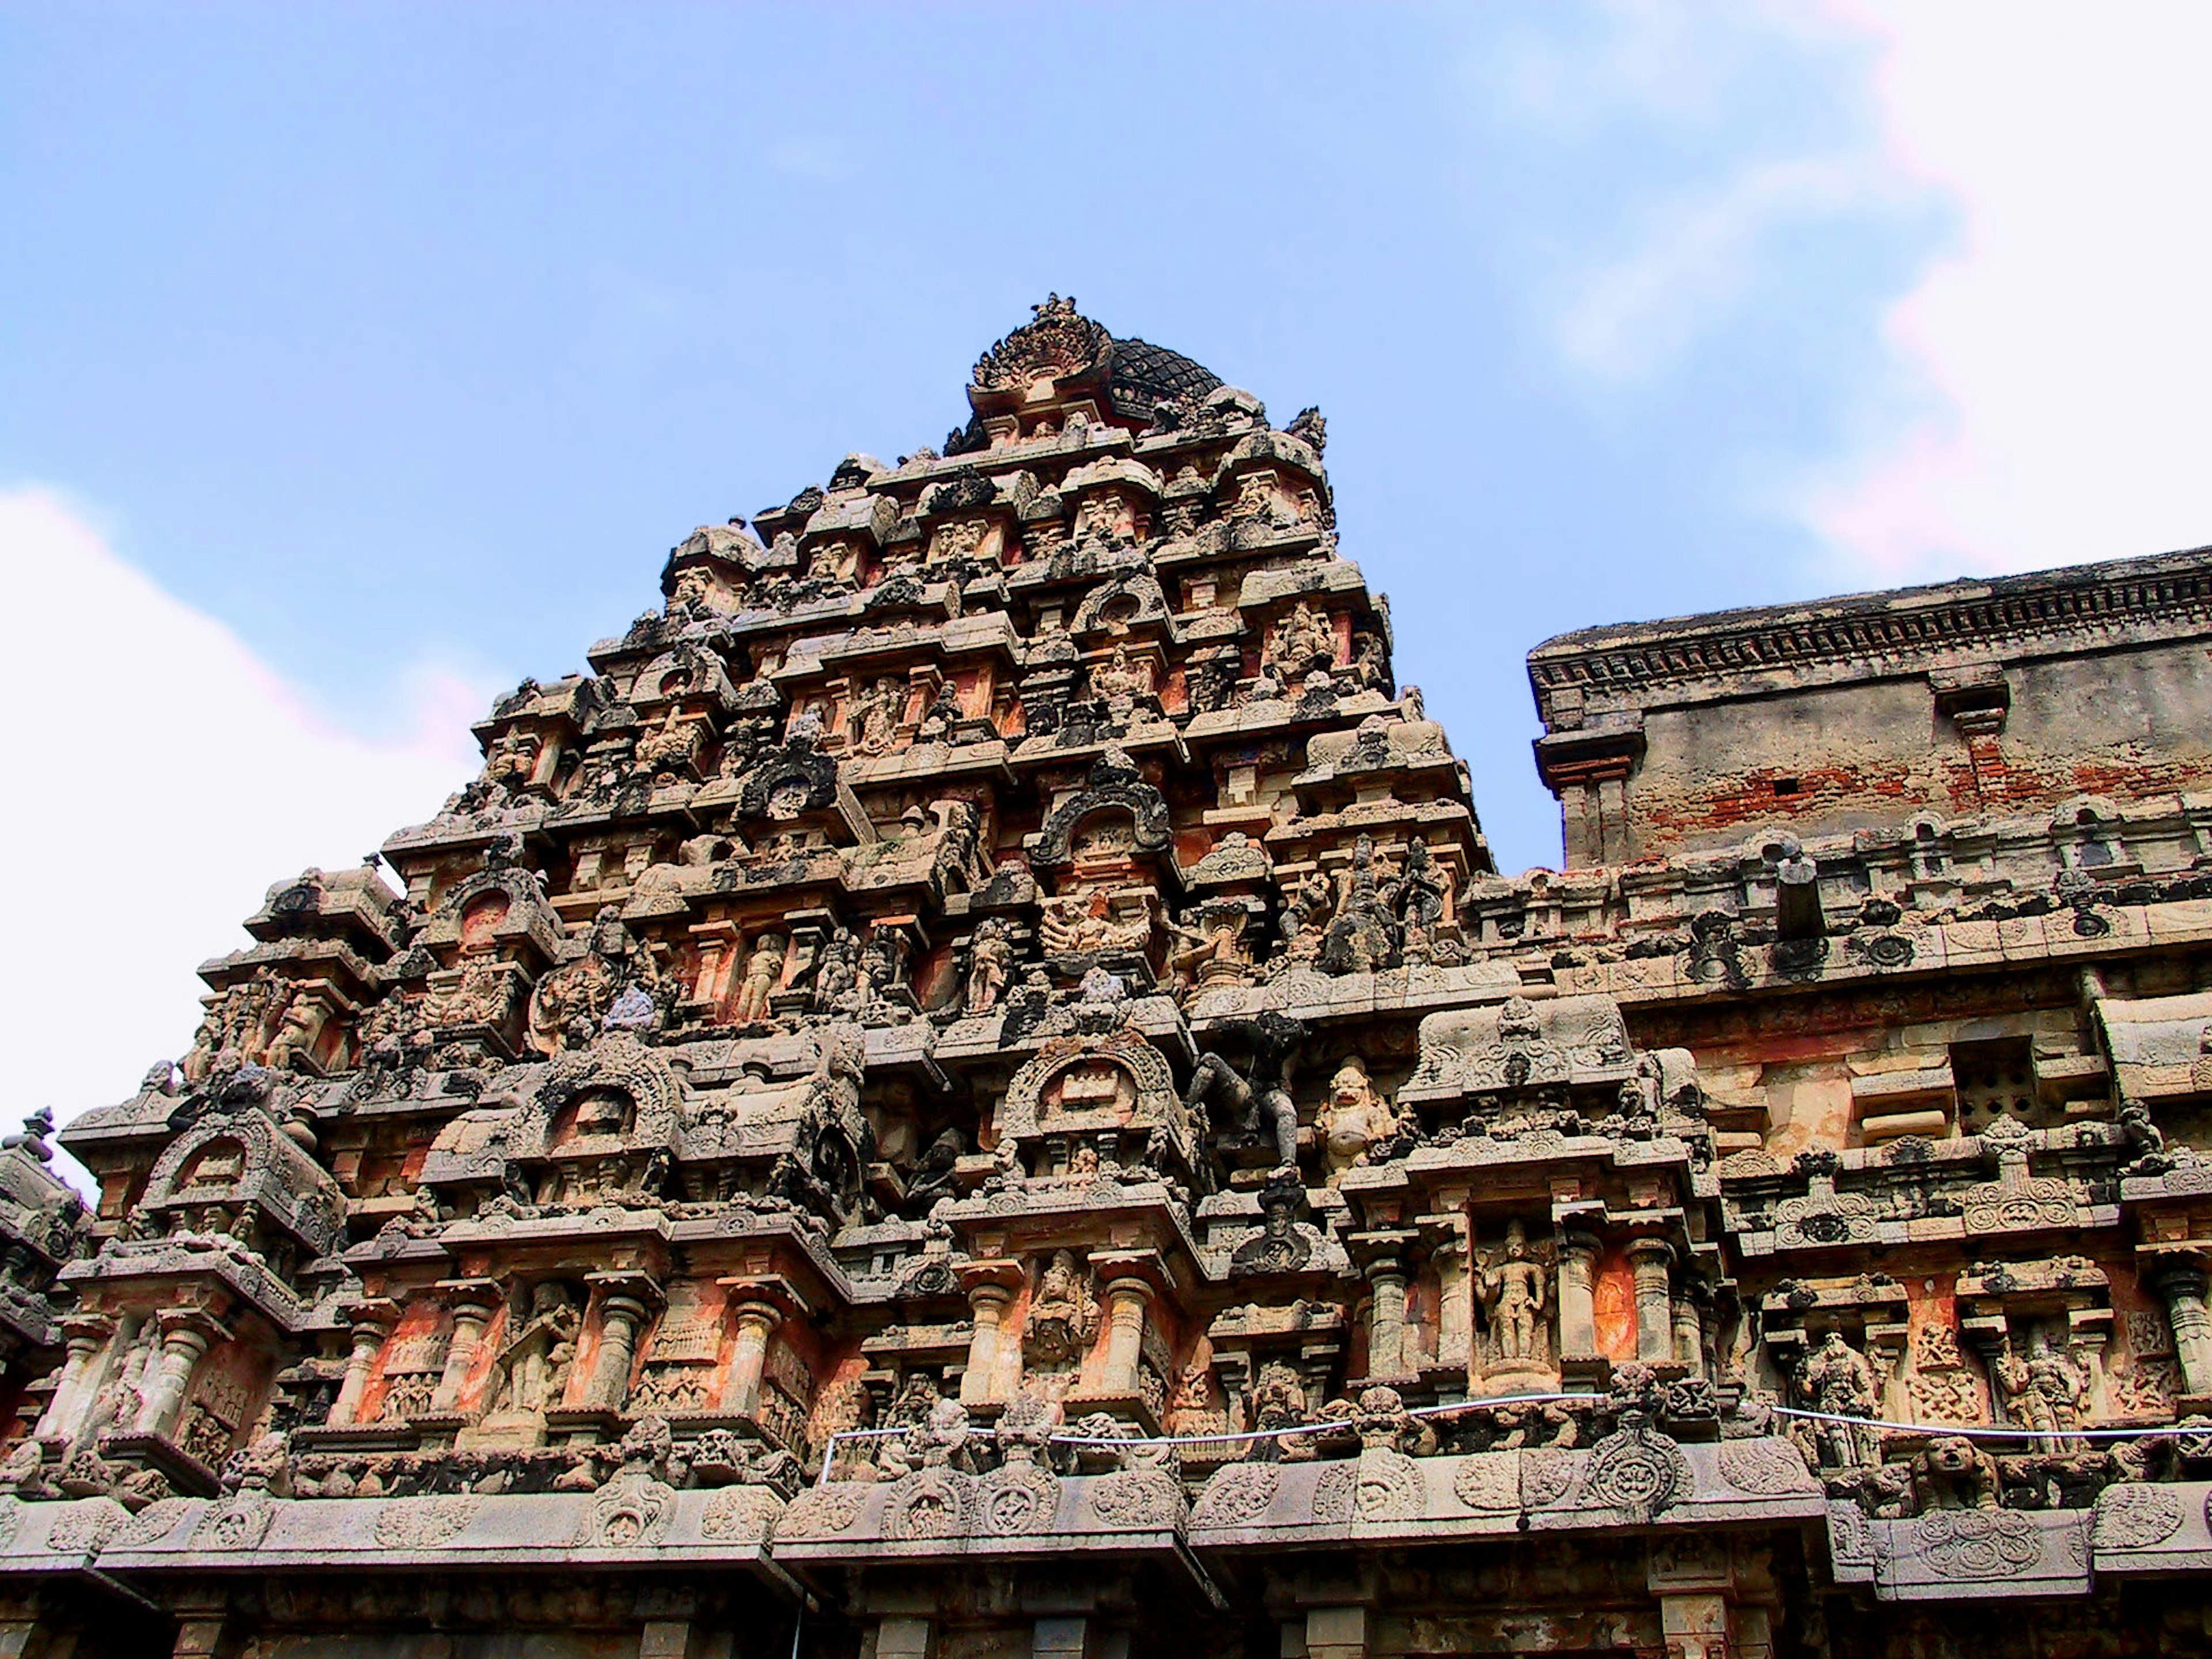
(740, 1513)
(1489, 1480)
(151, 1524)
(2136, 1517)
(1377, 1485)
(424, 1522)
(1139, 1500)
(87, 1526)
(822, 1511)
(1237, 1493)
(1765, 1468)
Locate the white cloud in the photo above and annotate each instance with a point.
(2068, 339)
(165, 777)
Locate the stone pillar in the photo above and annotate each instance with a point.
(1127, 1300)
(987, 1302)
(88, 1337)
(1689, 1333)
(680, 1639)
(1651, 1259)
(2182, 1289)
(1336, 1633)
(1579, 1254)
(372, 1323)
(1455, 1305)
(620, 1316)
(473, 1304)
(756, 1323)
(186, 1333)
(1386, 1319)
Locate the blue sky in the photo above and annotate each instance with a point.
(383, 350)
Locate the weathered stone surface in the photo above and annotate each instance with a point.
(984, 1030)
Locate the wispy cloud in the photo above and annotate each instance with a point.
(167, 775)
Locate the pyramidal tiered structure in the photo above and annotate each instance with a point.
(972, 1090)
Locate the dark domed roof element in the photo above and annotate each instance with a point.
(1144, 376)
(1076, 353)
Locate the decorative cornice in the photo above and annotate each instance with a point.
(1902, 632)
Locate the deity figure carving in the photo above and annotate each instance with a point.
(672, 747)
(2044, 1390)
(1353, 1118)
(1063, 1315)
(1303, 641)
(763, 969)
(1835, 1378)
(1212, 950)
(1307, 908)
(1121, 677)
(534, 1364)
(990, 960)
(1514, 1285)
(875, 718)
(1259, 1099)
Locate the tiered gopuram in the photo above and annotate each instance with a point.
(972, 1090)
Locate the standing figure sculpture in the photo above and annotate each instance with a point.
(1513, 1294)
(1836, 1379)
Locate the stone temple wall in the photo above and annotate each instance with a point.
(973, 1090)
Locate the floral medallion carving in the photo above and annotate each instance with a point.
(1638, 1470)
(1237, 1492)
(1972, 1544)
(1018, 1498)
(1489, 1480)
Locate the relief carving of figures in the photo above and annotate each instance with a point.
(2044, 1390)
(1354, 1119)
(1514, 1287)
(1302, 641)
(671, 749)
(1063, 1317)
(533, 1366)
(764, 970)
(1084, 925)
(990, 960)
(1259, 1099)
(242, 1018)
(1835, 1378)
(1363, 937)
(875, 718)
(1307, 908)
(1121, 676)
(1212, 950)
